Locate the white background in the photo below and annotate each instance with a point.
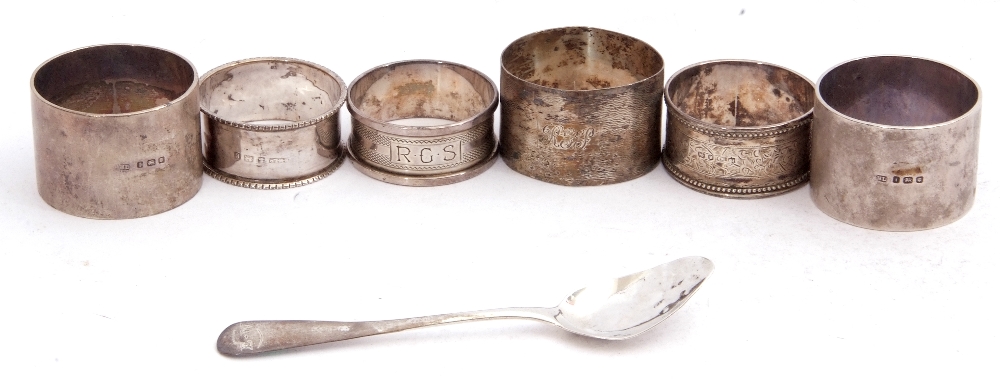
(795, 293)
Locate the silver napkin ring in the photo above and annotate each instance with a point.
(581, 106)
(271, 123)
(738, 129)
(460, 148)
(116, 131)
(895, 143)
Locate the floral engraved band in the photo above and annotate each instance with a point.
(738, 129)
(422, 123)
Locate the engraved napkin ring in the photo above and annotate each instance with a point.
(581, 106)
(738, 129)
(460, 148)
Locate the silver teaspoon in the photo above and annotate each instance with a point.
(612, 310)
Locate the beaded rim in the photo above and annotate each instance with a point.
(751, 192)
(273, 184)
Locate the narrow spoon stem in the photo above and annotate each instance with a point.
(253, 337)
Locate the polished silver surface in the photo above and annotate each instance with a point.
(271, 123)
(116, 131)
(895, 143)
(385, 147)
(580, 106)
(738, 129)
(616, 309)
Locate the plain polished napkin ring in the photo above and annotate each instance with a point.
(271, 123)
(738, 129)
(895, 143)
(116, 131)
(414, 155)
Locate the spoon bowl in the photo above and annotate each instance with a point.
(625, 307)
(612, 309)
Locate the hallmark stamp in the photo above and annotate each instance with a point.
(259, 160)
(141, 163)
(896, 179)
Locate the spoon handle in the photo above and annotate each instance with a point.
(253, 337)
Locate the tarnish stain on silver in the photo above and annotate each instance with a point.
(612, 309)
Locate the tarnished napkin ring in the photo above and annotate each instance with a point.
(738, 129)
(422, 155)
(895, 143)
(271, 123)
(116, 131)
(581, 106)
